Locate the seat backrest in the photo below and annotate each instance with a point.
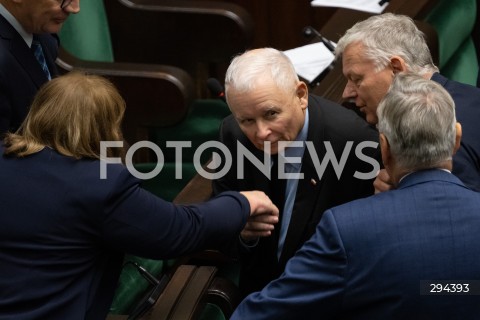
(454, 22)
(200, 37)
(86, 35)
(177, 32)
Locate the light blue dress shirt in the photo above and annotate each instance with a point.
(293, 164)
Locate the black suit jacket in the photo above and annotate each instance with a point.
(20, 74)
(64, 230)
(466, 162)
(328, 122)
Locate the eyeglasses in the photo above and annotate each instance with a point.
(65, 3)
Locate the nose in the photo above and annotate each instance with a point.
(263, 131)
(349, 92)
(73, 7)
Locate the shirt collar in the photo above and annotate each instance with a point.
(406, 175)
(302, 136)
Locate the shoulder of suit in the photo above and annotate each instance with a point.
(338, 120)
(327, 107)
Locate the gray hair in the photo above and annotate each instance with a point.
(247, 69)
(387, 35)
(417, 116)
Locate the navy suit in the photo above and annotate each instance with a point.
(466, 162)
(63, 233)
(368, 257)
(328, 123)
(20, 74)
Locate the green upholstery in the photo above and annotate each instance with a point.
(462, 66)
(94, 42)
(454, 22)
(201, 124)
(126, 298)
(156, 185)
(212, 312)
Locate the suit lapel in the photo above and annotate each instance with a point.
(22, 53)
(27, 60)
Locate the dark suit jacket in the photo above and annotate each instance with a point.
(328, 122)
(466, 162)
(368, 258)
(20, 74)
(63, 232)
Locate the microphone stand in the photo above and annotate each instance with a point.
(310, 32)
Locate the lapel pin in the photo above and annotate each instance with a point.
(313, 182)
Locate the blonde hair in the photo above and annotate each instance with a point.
(71, 114)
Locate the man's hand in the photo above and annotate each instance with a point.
(383, 182)
(263, 216)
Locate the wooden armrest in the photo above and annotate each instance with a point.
(156, 95)
(230, 10)
(180, 33)
(199, 189)
(224, 294)
(185, 294)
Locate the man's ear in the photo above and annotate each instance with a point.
(458, 137)
(302, 94)
(398, 64)
(385, 150)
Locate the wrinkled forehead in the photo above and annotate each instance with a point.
(354, 57)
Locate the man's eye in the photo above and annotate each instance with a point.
(271, 114)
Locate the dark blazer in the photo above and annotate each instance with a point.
(328, 122)
(466, 162)
(63, 232)
(368, 258)
(20, 74)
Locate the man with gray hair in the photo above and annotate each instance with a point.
(411, 253)
(330, 154)
(373, 51)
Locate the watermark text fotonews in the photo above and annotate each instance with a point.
(243, 154)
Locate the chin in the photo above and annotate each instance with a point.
(371, 119)
(273, 148)
(54, 27)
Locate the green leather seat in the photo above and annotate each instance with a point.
(201, 124)
(132, 286)
(454, 22)
(94, 42)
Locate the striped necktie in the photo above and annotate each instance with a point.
(38, 52)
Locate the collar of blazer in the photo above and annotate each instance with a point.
(428, 175)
